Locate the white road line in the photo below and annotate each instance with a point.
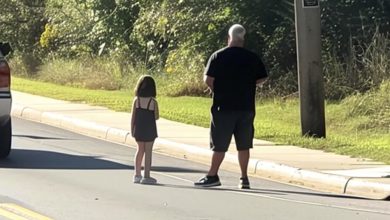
(248, 193)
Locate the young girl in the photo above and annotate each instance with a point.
(143, 127)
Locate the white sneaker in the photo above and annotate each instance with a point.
(148, 180)
(137, 178)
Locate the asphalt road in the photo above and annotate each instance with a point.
(64, 175)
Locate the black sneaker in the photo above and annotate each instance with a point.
(208, 181)
(244, 183)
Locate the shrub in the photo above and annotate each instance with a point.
(86, 73)
(366, 68)
(375, 105)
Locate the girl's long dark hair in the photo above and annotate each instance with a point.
(146, 87)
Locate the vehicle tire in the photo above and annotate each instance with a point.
(5, 139)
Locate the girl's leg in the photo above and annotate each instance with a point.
(138, 158)
(148, 158)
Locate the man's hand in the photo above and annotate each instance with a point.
(208, 90)
(260, 82)
(209, 82)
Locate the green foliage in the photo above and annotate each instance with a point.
(353, 20)
(88, 27)
(91, 73)
(168, 25)
(21, 24)
(173, 38)
(86, 73)
(367, 67)
(375, 105)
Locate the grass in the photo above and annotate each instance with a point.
(276, 120)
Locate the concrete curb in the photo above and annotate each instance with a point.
(306, 178)
(265, 169)
(368, 187)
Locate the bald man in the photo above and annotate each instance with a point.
(232, 74)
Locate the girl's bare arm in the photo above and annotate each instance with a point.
(156, 111)
(133, 116)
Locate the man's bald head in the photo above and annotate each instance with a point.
(236, 35)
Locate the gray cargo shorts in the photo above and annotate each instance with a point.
(225, 124)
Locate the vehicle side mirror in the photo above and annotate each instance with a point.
(5, 48)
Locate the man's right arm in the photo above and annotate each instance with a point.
(209, 72)
(261, 81)
(209, 81)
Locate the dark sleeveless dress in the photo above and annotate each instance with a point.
(145, 124)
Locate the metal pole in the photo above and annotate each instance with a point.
(311, 80)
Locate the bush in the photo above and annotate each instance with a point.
(86, 73)
(366, 68)
(26, 64)
(375, 105)
(184, 68)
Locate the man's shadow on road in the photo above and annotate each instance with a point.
(261, 191)
(40, 159)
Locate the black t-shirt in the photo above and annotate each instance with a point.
(235, 71)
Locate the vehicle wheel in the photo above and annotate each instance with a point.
(5, 139)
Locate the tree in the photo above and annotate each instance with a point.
(78, 27)
(21, 24)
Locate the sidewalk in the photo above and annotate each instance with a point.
(299, 166)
